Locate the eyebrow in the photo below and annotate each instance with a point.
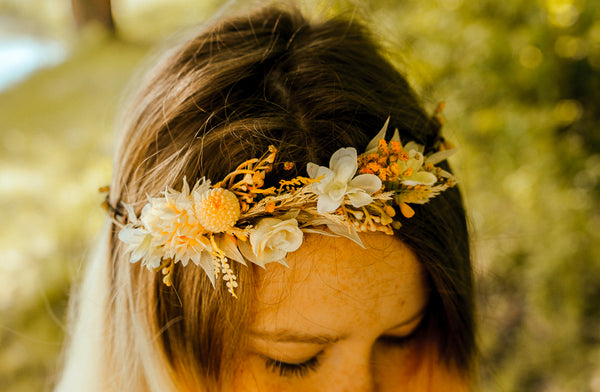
(288, 336)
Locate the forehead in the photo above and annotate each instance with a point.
(332, 285)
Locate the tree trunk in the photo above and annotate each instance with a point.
(86, 11)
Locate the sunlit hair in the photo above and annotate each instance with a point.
(244, 83)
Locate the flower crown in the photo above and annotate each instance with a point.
(239, 219)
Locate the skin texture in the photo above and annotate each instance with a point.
(356, 308)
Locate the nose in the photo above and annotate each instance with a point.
(355, 375)
(360, 385)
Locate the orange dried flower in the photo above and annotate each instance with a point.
(270, 207)
(406, 210)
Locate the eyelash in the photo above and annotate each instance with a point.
(293, 369)
(301, 370)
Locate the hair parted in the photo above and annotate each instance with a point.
(244, 83)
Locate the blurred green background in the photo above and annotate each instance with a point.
(522, 84)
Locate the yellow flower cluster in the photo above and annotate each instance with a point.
(406, 172)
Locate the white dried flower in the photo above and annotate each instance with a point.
(338, 181)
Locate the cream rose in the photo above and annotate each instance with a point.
(273, 238)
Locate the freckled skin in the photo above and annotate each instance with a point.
(335, 287)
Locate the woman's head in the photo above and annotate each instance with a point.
(309, 89)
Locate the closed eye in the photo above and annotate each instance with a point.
(293, 369)
(401, 341)
(397, 341)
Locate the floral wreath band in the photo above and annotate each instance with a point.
(239, 219)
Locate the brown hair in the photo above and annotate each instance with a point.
(242, 84)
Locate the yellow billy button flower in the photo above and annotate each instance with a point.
(218, 210)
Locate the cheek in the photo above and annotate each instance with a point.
(394, 368)
(253, 376)
(416, 369)
(248, 376)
